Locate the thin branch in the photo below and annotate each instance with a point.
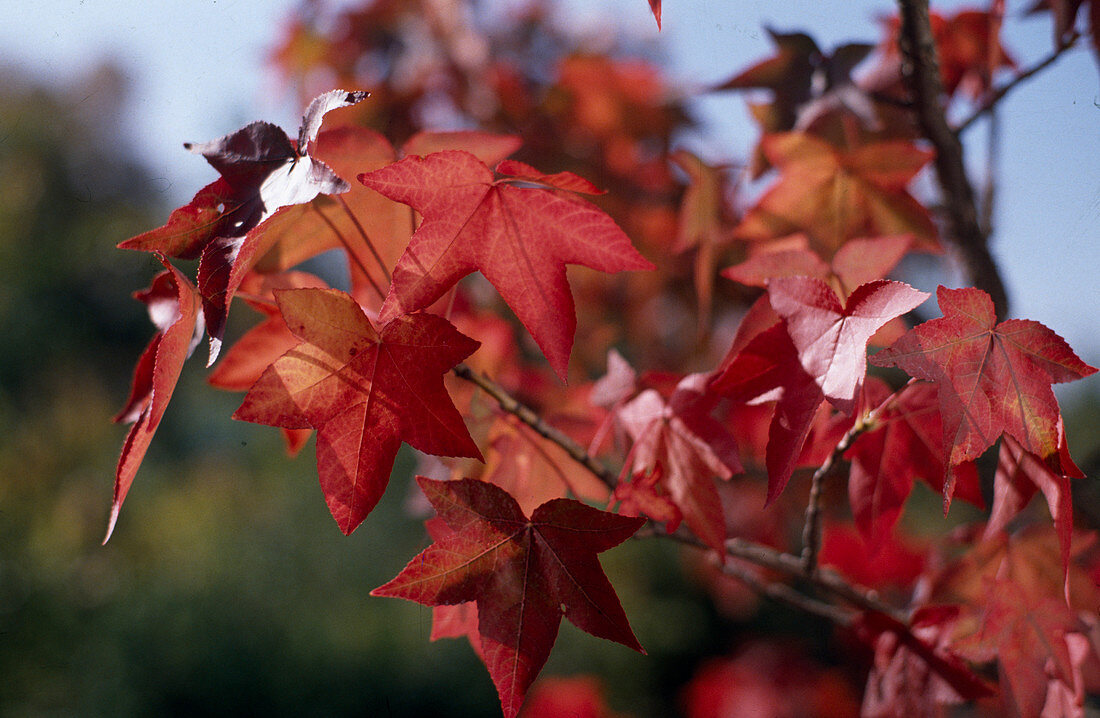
(760, 555)
(811, 528)
(999, 94)
(509, 404)
(921, 71)
(782, 593)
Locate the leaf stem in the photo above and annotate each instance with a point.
(997, 95)
(764, 556)
(509, 404)
(366, 239)
(352, 256)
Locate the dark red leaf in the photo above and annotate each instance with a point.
(524, 573)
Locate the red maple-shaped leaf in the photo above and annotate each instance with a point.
(253, 353)
(370, 228)
(524, 574)
(173, 306)
(262, 171)
(857, 262)
(904, 443)
(691, 447)
(834, 194)
(992, 378)
(1026, 634)
(831, 338)
(817, 352)
(364, 391)
(519, 237)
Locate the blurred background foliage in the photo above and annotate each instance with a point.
(230, 591)
(227, 589)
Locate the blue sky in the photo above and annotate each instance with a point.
(198, 68)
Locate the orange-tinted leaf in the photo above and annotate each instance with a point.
(520, 238)
(524, 573)
(364, 391)
(834, 194)
(174, 308)
(534, 469)
(488, 148)
(705, 223)
(992, 378)
(260, 346)
(968, 48)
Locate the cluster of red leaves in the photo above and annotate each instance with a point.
(702, 453)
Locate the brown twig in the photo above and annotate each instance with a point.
(920, 68)
(782, 593)
(997, 95)
(757, 554)
(509, 404)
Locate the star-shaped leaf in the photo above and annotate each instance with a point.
(364, 391)
(834, 194)
(262, 171)
(992, 378)
(767, 368)
(831, 338)
(520, 237)
(1020, 475)
(524, 573)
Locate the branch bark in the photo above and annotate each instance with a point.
(760, 555)
(920, 68)
(999, 94)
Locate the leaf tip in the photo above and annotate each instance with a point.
(115, 507)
